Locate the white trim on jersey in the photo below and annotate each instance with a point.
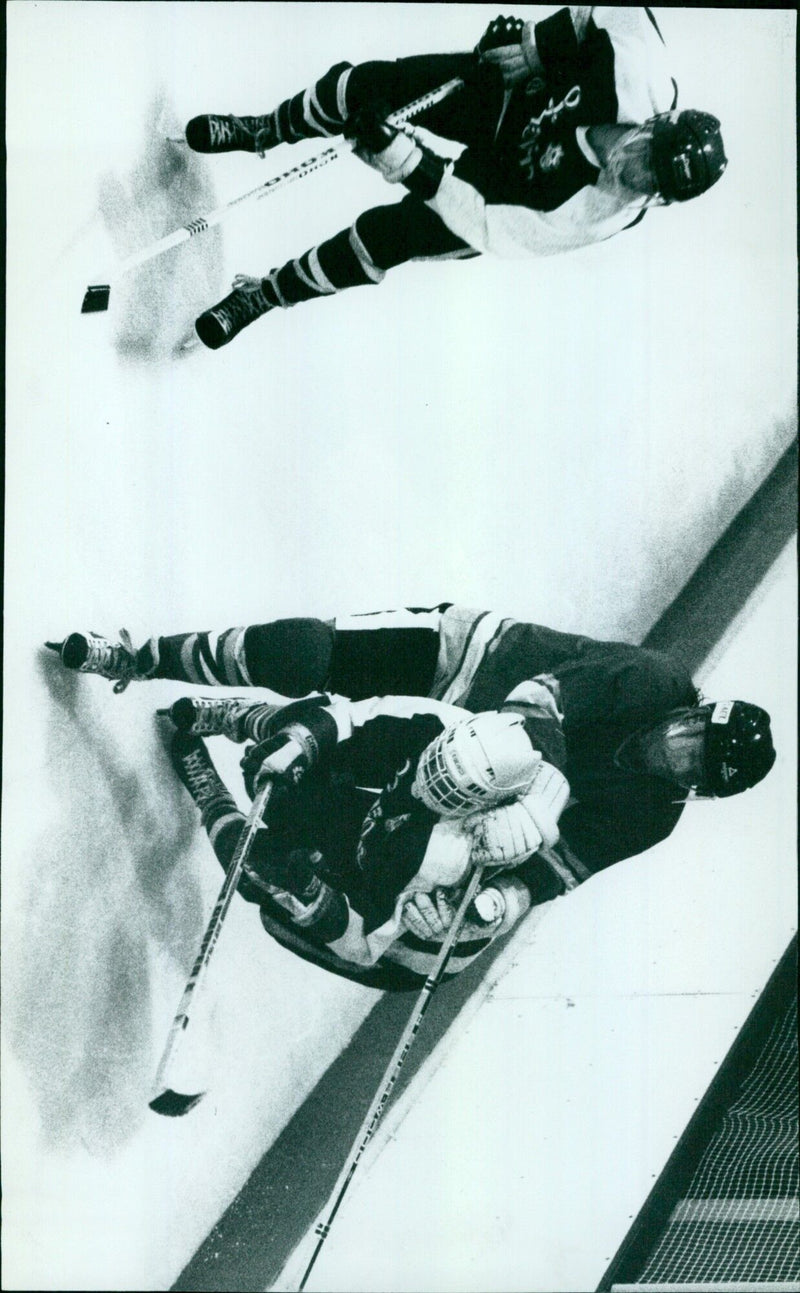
(444, 864)
(352, 714)
(365, 621)
(591, 215)
(465, 637)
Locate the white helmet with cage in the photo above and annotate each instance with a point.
(475, 764)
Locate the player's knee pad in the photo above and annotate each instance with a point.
(289, 656)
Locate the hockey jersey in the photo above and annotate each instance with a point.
(604, 691)
(381, 845)
(538, 188)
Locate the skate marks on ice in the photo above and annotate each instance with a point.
(108, 893)
(153, 308)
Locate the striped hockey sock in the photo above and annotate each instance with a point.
(205, 658)
(341, 262)
(318, 112)
(289, 656)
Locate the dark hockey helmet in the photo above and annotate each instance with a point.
(687, 154)
(738, 748)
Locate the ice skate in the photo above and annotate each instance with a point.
(219, 325)
(212, 133)
(118, 661)
(192, 763)
(218, 716)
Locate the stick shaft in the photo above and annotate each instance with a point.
(211, 935)
(375, 1111)
(299, 172)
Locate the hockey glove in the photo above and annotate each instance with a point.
(429, 916)
(508, 45)
(507, 835)
(282, 757)
(398, 157)
(295, 883)
(292, 750)
(503, 836)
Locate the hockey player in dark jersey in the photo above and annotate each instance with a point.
(570, 131)
(378, 809)
(626, 725)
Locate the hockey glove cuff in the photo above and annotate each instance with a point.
(289, 754)
(398, 157)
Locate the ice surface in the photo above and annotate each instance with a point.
(560, 440)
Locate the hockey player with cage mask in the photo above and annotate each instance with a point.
(626, 725)
(571, 132)
(379, 810)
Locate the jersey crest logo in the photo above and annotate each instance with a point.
(531, 135)
(728, 771)
(551, 157)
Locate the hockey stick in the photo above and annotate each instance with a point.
(96, 297)
(393, 1068)
(166, 1100)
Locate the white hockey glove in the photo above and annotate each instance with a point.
(507, 835)
(508, 43)
(428, 915)
(397, 156)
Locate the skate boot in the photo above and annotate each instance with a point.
(212, 133)
(219, 325)
(119, 661)
(192, 762)
(231, 716)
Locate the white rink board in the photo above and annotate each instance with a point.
(561, 441)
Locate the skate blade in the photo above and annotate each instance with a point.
(96, 298)
(190, 343)
(174, 1105)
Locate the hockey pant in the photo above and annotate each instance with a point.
(390, 235)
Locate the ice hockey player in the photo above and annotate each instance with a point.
(379, 810)
(626, 725)
(571, 133)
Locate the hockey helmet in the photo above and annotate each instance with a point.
(739, 751)
(475, 764)
(687, 154)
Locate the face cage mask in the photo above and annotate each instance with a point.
(441, 792)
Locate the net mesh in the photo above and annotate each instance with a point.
(738, 1220)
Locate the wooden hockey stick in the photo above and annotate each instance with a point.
(166, 1100)
(391, 1074)
(97, 296)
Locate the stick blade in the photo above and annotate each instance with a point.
(174, 1105)
(96, 298)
